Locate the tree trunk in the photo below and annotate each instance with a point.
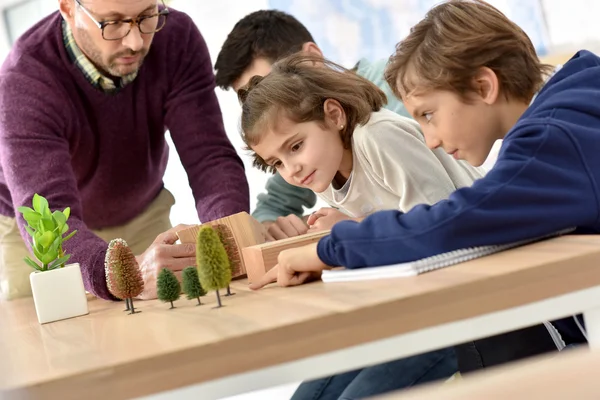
(127, 305)
(172, 306)
(132, 307)
(229, 291)
(199, 302)
(218, 299)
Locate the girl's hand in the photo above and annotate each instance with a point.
(294, 267)
(324, 219)
(285, 227)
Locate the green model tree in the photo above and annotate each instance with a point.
(233, 254)
(212, 261)
(123, 275)
(168, 288)
(191, 284)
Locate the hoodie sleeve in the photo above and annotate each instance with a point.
(541, 184)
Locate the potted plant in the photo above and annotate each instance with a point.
(57, 288)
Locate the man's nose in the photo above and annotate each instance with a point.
(134, 40)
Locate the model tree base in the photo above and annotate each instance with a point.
(219, 304)
(229, 293)
(128, 308)
(133, 310)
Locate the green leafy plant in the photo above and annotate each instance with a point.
(233, 254)
(191, 284)
(123, 276)
(212, 261)
(47, 230)
(167, 287)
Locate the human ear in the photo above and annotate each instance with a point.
(334, 113)
(67, 10)
(311, 48)
(487, 85)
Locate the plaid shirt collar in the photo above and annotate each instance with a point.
(95, 77)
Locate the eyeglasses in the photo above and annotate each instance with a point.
(116, 30)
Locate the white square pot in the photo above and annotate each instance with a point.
(58, 294)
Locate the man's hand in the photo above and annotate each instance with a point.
(285, 227)
(294, 267)
(164, 253)
(325, 218)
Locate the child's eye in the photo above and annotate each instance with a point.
(296, 147)
(428, 116)
(274, 167)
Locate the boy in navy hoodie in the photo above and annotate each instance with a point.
(470, 76)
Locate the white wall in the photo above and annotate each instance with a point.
(215, 19)
(22, 15)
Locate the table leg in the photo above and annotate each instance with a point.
(592, 327)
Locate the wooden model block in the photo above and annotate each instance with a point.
(239, 231)
(262, 257)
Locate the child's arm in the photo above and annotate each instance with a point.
(282, 199)
(540, 185)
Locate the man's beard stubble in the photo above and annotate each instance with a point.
(109, 68)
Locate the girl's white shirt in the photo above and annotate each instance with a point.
(394, 169)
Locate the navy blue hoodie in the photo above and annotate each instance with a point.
(546, 179)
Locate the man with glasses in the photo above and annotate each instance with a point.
(85, 98)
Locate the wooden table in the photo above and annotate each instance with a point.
(570, 374)
(276, 336)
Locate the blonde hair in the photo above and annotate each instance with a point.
(455, 39)
(298, 89)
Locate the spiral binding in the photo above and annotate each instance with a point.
(428, 264)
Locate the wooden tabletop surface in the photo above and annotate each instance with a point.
(109, 354)
(571, 374)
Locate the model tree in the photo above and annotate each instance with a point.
(123, 275)
(212, 261)
(168, 288)
(191, 284)
(233, 254)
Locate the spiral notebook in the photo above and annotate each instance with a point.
(426, 264)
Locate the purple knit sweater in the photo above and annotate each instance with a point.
(104, 155)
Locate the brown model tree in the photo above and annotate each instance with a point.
(123, 276)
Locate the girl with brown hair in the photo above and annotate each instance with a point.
(323, 128)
